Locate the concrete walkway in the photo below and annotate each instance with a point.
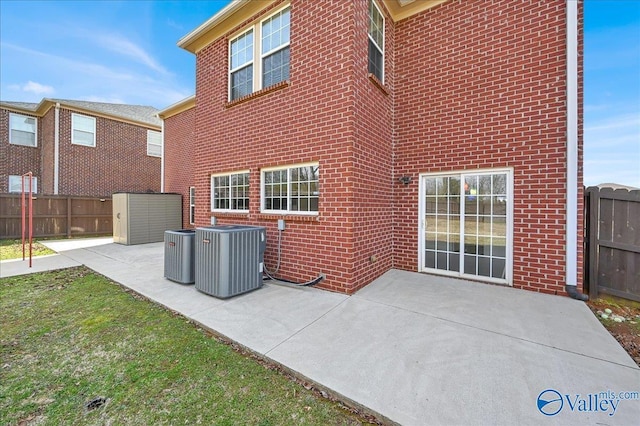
(416, 349)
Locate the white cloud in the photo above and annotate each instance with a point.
(76, 78)
(119, 44)
(174, 24)
(33, 87)
(616, 123)
(596, 107)
(37, 88)
(55, 63)
(612, 150)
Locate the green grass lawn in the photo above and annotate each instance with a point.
(69, 337)
(12, 249)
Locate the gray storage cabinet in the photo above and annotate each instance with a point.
(143, 218)
(229, 259)
(179, 255)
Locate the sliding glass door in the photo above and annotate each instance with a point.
(465, 224)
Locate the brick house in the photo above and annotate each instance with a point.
(438, 136)
(80, 148)
(178, 173)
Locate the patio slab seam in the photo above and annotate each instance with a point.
(307, 326)
(495, 332)
(89, 249)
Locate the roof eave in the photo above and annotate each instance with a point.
(177, 108)
(191, 42)
(399, 12)
(18, 109)
(238, 11)
(46, 104)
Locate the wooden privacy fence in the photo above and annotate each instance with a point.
(57, 216)
(612, 251)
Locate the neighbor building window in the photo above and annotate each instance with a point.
(22, 130)
(83, 130)
(376, 41)
(154, 143)
(293, 189)
(192, 205)
(230, 192)
(259, 57)
(15, 184)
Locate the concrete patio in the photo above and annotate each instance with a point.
(413, 348)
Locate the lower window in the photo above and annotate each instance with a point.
(15, 184)
(230, 192)
(465, 224)
(292, 189)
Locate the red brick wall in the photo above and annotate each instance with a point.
(17, 159)
(483, 85)
(310, 120)
(468, 85)
(372, 156)
(179, 155)
(118, 163)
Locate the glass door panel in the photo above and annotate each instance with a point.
(465, 224)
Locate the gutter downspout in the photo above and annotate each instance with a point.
(571, 267)
(56, 149)
(162, 155)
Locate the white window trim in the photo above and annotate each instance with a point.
(192, 205)
(509, 248)
(73, 116)
(19, 178)
(257, 52)
(149, 133)
(35, 133)
(384, 26)
(229, 175)
(250, 63)
(288, 168)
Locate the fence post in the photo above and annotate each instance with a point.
(69, 217)
(594, 248)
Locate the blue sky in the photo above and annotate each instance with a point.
(125, 52)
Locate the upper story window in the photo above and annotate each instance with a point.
(293, 189)
(83, 130)
(241, 72)
(259, 57)
(22, 130)
(230, 192)
(15, 184)
(154, 143)
(376, 41)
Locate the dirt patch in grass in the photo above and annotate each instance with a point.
(78, 349)
(626, 329)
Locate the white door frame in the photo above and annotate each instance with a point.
(421, 225)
